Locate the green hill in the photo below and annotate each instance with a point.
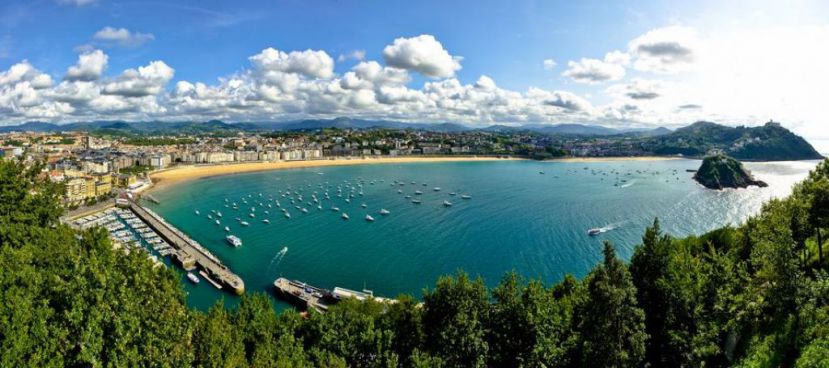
(769, 142)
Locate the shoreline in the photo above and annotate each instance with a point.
(180, 174)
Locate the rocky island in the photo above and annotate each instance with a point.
(721, 171)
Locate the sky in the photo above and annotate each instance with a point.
(612, 63)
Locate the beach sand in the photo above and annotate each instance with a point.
(182, 173)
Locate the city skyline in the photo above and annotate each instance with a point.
(624, 65)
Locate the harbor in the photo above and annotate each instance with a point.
(189, 253)
(135, 228)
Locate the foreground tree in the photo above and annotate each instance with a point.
(612, 326)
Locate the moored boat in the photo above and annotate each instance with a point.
(193, 278)
(234, 241)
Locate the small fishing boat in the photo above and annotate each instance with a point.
(416, 201)
(252, 215)
(335, 209)
(287, 215)
(363, 205)
(436, 189)
(595, 231)
(417, 192)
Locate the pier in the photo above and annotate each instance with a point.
(310, 297)
(189, 253)
(303, 295)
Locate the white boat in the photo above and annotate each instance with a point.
(193, 278)
(335, 209)
(209, 216)
(416, 201)
(287, 214)
(436, 189)
(363, 205)
(384, 211)
(344, 216)
(447, 204)
(218, 214)
(466, 196)
(218, 223)
(417, 192)
(227, 229)
(399, 191)
(197, 213)
(369, 218)
(234, 241)
(453, 194)
(252, 215)
(244, 223)
(595, 231)
(266, 221)
(304, 210)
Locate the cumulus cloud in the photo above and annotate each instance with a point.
(122, 37)
(310, 63)
(594, 71)
(90, 66)
(423, 54)
(665, 50)
(145, 81)
(549, 64)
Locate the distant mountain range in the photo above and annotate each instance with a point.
(314, 124)
(768, 142)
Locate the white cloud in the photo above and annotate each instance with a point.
(637, 89)
(122, 37)
(665, 50)
(594, 71)
(310, 63)
(358, 55)
(423, 54)
(90, 66)
(549, 64)
(146, 81)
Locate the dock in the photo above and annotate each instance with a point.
(303, 295)
(307, 297)
(189, 253)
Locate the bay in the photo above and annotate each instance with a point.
(525, 216)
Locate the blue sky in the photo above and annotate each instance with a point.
(616, 63)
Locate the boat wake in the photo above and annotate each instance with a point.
(277, 259)
(603, 229)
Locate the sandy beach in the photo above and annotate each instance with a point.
(179, 174)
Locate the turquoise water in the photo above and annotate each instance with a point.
(517, 219)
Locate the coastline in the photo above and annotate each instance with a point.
(179, 174)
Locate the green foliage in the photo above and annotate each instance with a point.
(611, 325)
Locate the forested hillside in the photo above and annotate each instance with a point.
(756, 295)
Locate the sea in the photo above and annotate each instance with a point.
(530, 217)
